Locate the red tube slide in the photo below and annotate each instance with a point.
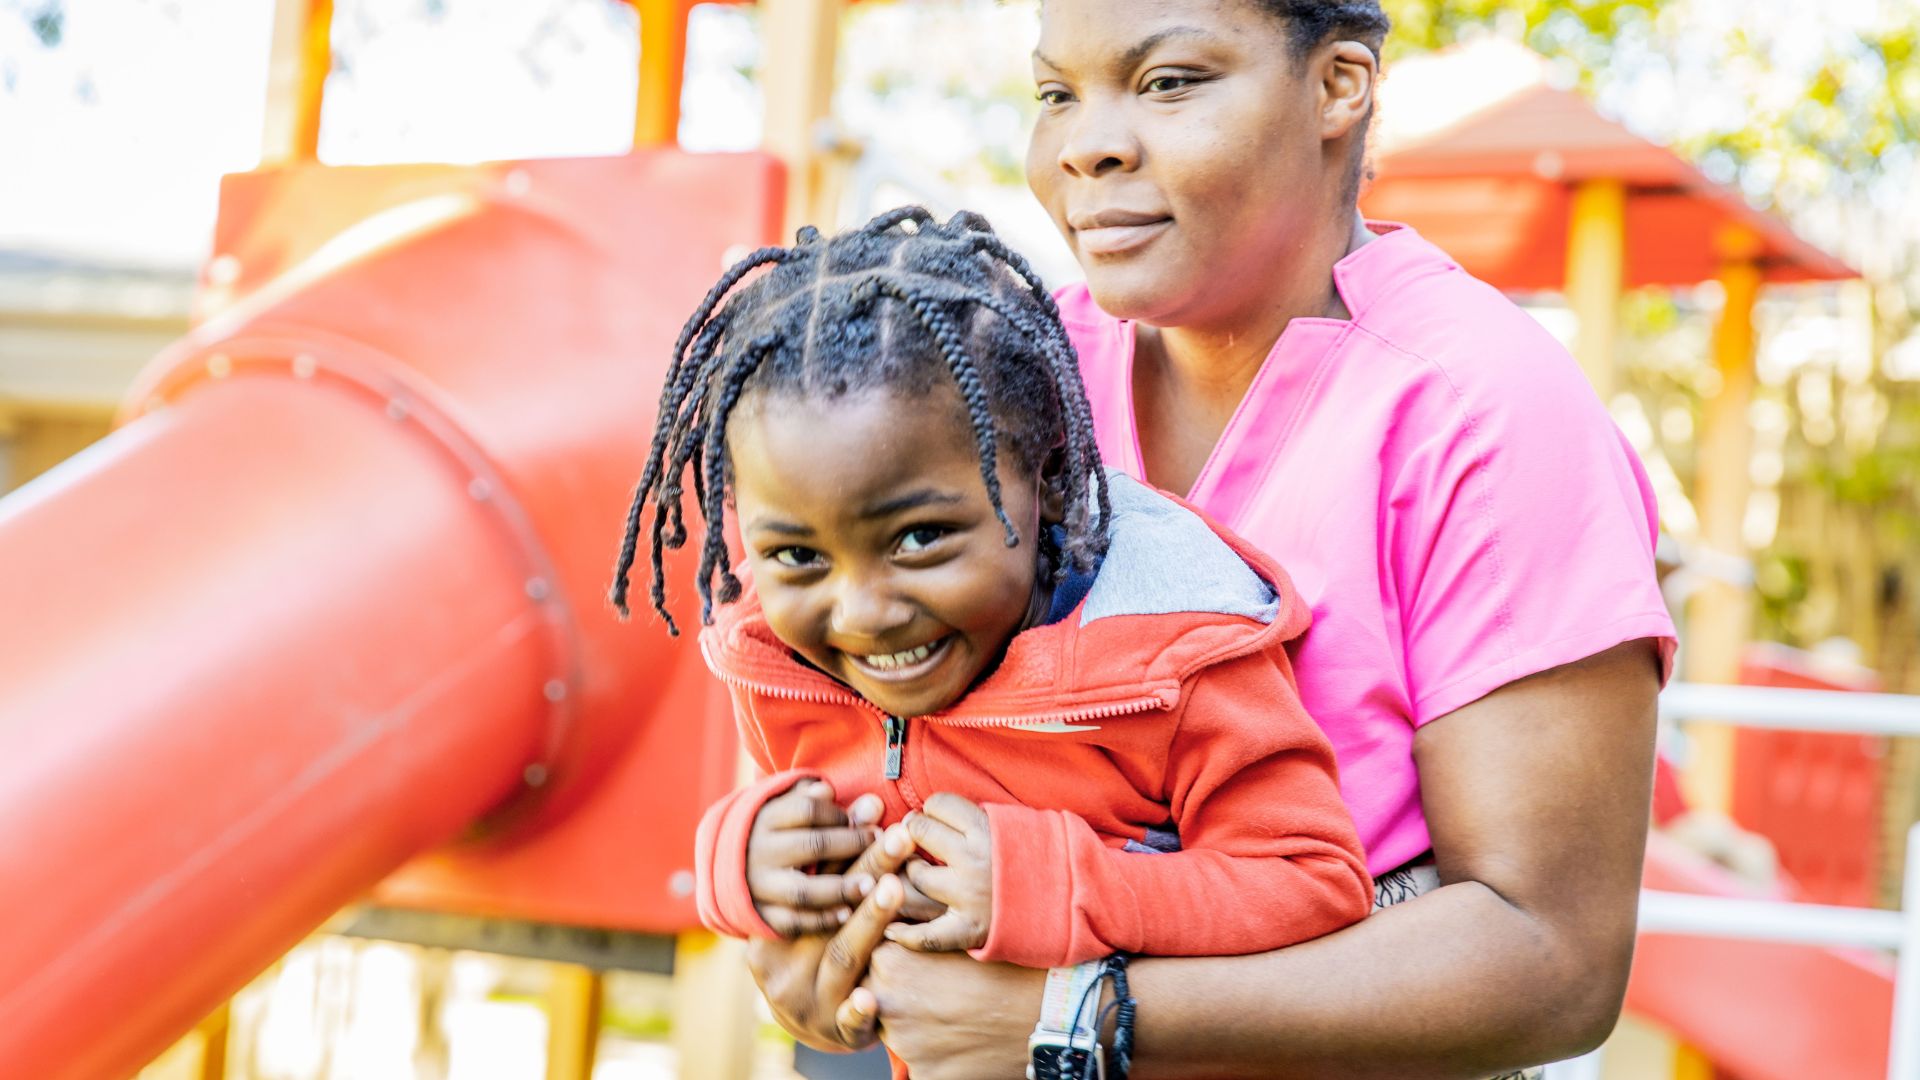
(332, 595)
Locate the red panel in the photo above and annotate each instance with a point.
(1508, 231)
(1760, 1011)
(1817, 797)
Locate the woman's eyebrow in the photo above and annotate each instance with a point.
(912, 500)
(1142, 48)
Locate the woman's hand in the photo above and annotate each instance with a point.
(797, 832)
(950, 1016)
(954, 831)
(812, 982)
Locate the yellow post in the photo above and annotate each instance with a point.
(213, 1033)
(573, 1022)
(1596, 266)
(802, 38)
(663, 65)
(296, 80)
(713, 1007)
(1719, 613)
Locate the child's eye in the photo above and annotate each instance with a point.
(919, 539)
(797, 557)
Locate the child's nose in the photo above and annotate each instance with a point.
(868, 612)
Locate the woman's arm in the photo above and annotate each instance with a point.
(1536, 796)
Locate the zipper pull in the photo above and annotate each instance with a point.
(896, 746)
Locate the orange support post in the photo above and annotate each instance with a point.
(663, 65)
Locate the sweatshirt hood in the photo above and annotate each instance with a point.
(1175, 593)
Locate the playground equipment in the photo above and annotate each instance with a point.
(332, 595)
(326, 611)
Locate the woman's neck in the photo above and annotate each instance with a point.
(1213, 364)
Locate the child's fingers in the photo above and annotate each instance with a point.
(810, 892)
(937, 838)
(919, 906)
(865, 810)
(793, 922)
(807, 804)
(885, 855)
(941, 884)
(963, 814)
(807, 847)
(952, 932)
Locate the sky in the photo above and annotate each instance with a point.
(112, 142)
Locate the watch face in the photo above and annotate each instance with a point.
(1060, 1063)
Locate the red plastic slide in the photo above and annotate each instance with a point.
(333, 593)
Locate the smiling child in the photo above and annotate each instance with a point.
(947, 604)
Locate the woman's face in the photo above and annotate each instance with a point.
(875, 550)
(1179, 150)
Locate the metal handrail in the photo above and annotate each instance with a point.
(1830, 711)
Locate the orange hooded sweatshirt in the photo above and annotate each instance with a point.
(1163, 705)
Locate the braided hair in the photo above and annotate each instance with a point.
(899, 303)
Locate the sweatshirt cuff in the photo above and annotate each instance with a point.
(1032, 889)
(721, 894)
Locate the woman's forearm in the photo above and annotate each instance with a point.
(1459, 983)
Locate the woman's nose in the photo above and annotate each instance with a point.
(1098, 142)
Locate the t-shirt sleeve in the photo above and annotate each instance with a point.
(1520, 531)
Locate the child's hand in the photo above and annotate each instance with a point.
(954, 831)
(793, 832)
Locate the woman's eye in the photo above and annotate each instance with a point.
(1053, 97)
(797, 557)
(1167, 84)
(920, 539)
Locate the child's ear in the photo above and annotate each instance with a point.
(1053, 487)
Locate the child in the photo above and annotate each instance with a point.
(954, 608)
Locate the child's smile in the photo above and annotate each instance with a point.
(875, 550)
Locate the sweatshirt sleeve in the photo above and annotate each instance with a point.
(720, 857)
(1269, 853)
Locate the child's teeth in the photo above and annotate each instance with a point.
(901, 659)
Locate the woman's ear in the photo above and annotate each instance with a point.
(1053, 487)
(1348, 73)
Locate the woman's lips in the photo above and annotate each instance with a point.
(1118, 239)
(905, 673)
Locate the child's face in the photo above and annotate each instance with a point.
(873, 545)
(1179, 150)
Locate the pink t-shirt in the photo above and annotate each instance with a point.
(1444, 488)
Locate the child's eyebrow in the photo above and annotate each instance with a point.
(1142, 48)
(913, 500)
(774, 525)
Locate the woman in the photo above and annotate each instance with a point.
(1475, 540)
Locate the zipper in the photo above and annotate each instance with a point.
(1148, 703)
(896, 747)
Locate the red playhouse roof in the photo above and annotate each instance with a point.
(1480, 153)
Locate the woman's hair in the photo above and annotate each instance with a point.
(1311, 22)
(898, 303)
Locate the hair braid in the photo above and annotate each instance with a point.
(670, 402)
(902, 300)
(713, 557)
(954, 350)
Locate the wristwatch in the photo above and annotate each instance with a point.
(1064, 1044)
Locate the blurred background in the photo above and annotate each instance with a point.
(1715, 204)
